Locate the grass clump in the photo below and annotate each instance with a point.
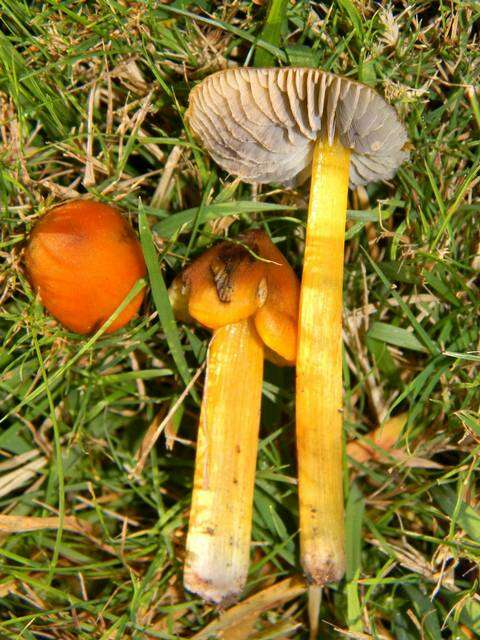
(92, 97)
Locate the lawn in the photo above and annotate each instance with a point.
(98, 433)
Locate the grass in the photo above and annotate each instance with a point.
(92, 96)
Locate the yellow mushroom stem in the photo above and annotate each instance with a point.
(218, 542)
(319, 369)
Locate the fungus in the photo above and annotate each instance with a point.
(247, 293)
(83, 258)
(281, 125)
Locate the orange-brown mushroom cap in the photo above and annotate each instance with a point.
(276, 320)
(233, 281)
(83, 258)
(223, 285)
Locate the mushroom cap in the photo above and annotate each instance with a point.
(222, 285)
(233, 281)
(261, 124)
(83, 258)
(276, 320)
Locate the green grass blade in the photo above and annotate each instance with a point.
(395, 335)
(426, 613)
(271, 32)
(353, 547)
(422, 334)
(459, 512)
(182, 221)
(161, 299)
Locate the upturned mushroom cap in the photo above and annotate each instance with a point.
(261, 124)
(233, 281)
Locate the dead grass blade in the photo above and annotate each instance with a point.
(252, 607)
(21, 524)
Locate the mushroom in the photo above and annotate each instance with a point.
(83, 258)
(246, 292)
(281, 125)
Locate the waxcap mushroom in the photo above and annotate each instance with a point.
(247, 293)
(262, 124)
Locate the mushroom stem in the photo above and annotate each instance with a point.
(218, 541)
(319, 369)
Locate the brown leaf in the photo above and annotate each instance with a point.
(381, 439)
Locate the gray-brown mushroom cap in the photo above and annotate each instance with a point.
(262, 124)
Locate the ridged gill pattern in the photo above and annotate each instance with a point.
(261, 124)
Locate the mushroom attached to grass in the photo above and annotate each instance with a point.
(83, 258)
(247, 293)
(281, 125)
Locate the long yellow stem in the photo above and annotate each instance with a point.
(218, 542)
(319, 369)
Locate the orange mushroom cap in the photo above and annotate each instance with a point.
(83, 258)
(233, 281)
